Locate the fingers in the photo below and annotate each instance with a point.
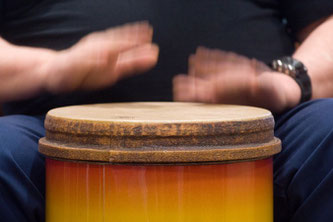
(133, 34)
(219, 76)
(120, 38)
(140, 32)
(219, 55)
(204, 63)
(207, 62)
(192, 89)
(101, 58)
(124, 64)
(136, 60)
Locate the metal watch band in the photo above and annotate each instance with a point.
(298, 72)
(304, 82)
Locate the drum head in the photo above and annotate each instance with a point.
(163, 132)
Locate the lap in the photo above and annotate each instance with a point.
(21, 168)
(303, 173)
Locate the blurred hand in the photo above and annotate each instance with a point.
(216, 76)
(102, 58)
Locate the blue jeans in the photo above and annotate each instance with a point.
(303, 171)
(303, 175)
(22, 186)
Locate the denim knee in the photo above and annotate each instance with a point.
(303, 170)
(21, 169)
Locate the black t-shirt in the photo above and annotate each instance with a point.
(254, 28)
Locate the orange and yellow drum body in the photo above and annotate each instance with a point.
(225, 192)
(150, 173)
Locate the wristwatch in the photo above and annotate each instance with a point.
(296, 70)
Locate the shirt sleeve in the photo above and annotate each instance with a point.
(300, 13)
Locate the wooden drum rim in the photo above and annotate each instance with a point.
(176, 133)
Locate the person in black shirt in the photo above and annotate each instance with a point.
(56, 53)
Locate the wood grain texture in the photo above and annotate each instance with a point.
(159, 133)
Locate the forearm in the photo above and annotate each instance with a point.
(22, 71)
(316, 52)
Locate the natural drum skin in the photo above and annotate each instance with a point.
(163, 162)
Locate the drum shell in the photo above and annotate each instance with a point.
(232, 192)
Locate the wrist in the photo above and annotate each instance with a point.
(292, 91)
(298, 72)
(32, 68)
(55, 72)
(277, 91)
(47, 72)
